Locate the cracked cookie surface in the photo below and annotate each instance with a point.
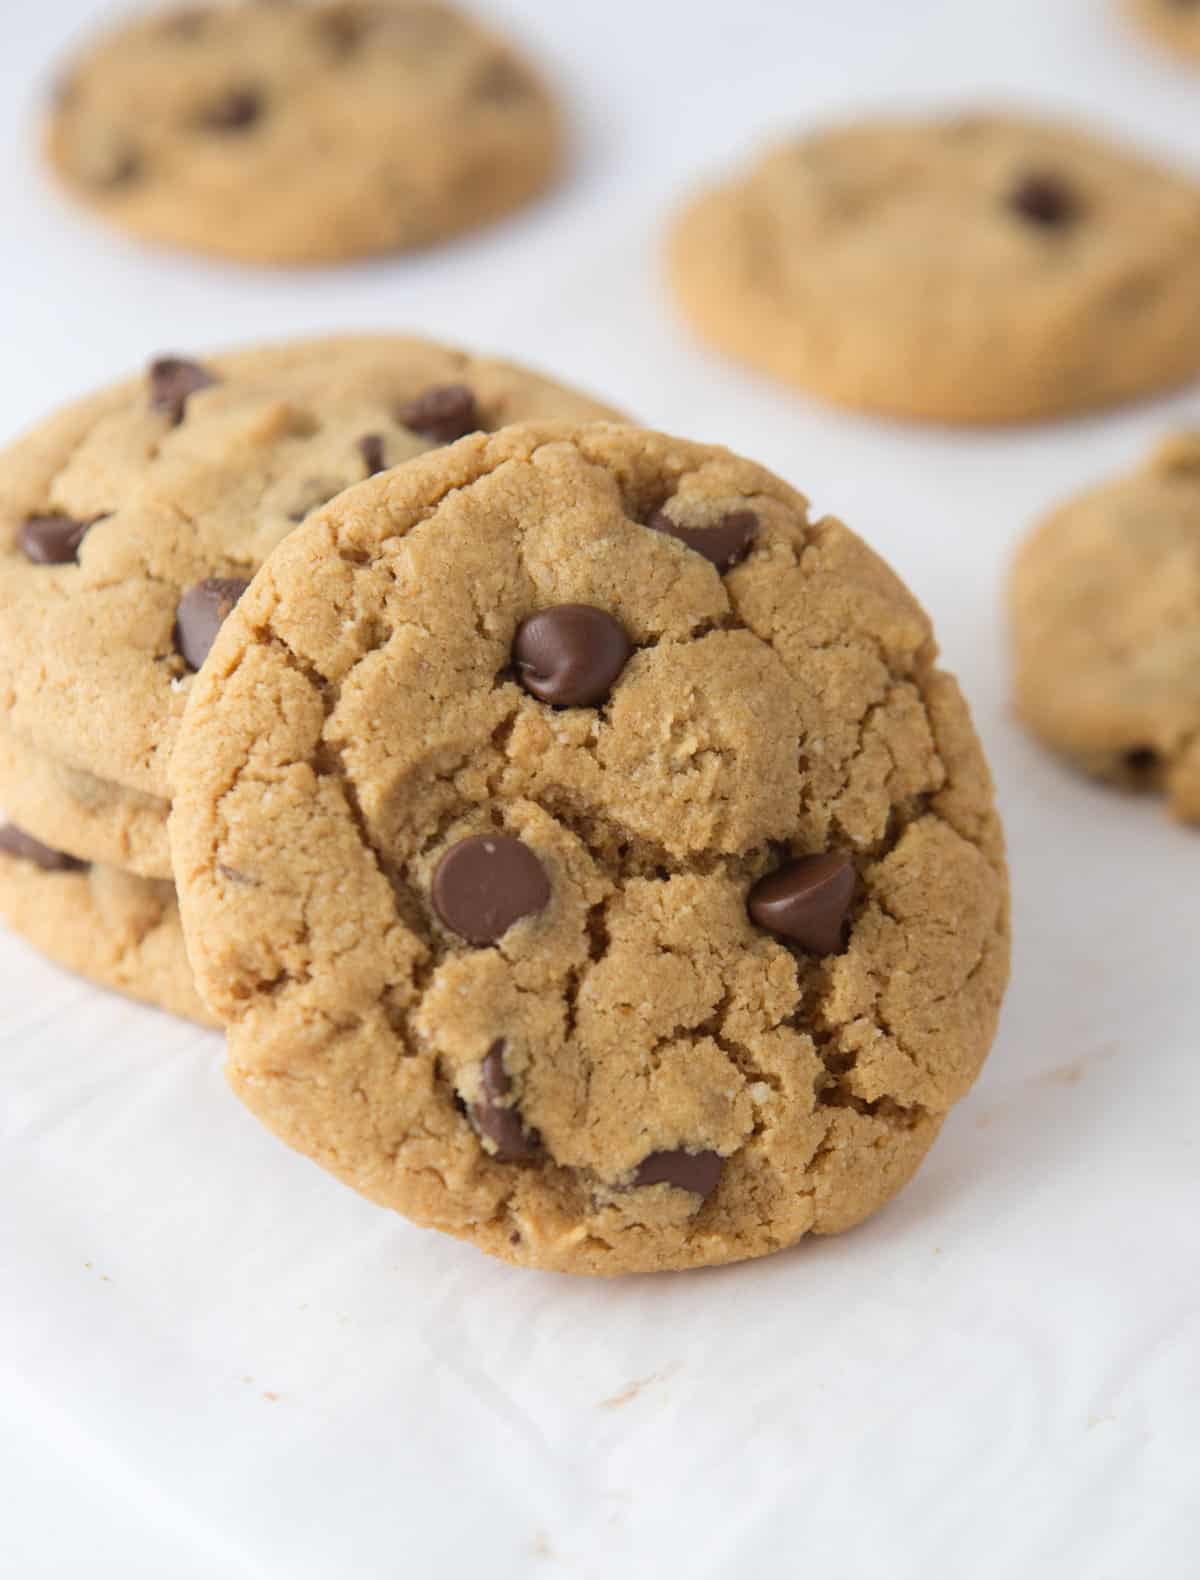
(303, 133)
(965, 269)
(116, 930)
(1105, 613)
(471, 879)
(114, 511)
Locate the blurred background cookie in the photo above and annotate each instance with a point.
(960, 268)
(303, 133)
(1175, 23)
(1105, 606)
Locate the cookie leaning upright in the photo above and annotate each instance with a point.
(1105, 611)
(303, 133)
(587, 855)
(965, 269)
(129, 522)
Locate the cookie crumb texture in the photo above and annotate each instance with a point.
(129, 522)
(966, 269)
(1105, 609)
(303, 133)
(116, 930)
(1175, 23)
(600, 1063)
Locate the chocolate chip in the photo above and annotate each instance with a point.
(202, 611)
(570, 655)
(173, 381)
(502, 81)
(343, 31)
(15, 842)
(370, 447)
(497, 1118)
(1142, 761)
(697, 1172)
(806, 901)
(725, 544)
(485, 883)
(443, 413)
(1045, 200)
(235, 111)
(53, 540)
(109, 169)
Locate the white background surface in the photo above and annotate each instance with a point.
(216, 1362)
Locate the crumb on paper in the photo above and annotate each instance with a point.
(630, 1392)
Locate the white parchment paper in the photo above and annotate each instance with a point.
(217, 1363)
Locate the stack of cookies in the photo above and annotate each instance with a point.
(131, 522)
(578, 842)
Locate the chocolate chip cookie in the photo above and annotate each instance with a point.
(1105, 603)
(587, 855)
(129, 524)
(303, 133)
(117, 930)
(965, 269)
(1175, 23)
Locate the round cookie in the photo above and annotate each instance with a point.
(303, 133)
(588, 856)
(1105, 609)
(1175, 23)
(117, 930)
(118, 516)
(964, 269)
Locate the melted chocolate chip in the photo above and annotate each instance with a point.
(1044, 200)
(697, 1172)
(724, 545)
(114, 168)
(53, 540)
(370, 447)
(806, 901)
(235, 111)
(343, 31)
(485, 883)
(570, 655)
(443, 413)
(497, 1118)
(15, 842)
(202, 611)
(173, 381)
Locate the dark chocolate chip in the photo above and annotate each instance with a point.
(15, 842)
(502, 81)
(570, 655)
(53, 540)
(697, 1172)
(370, 447)
(497, 1117)
(202, 611)
(343, 31)
(114, 168)
(725, 544)
(173, 381)
(485, 883)
(235, 111)
(443, 413)
(1142, 761)
(806, 901)
(1044, 200)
